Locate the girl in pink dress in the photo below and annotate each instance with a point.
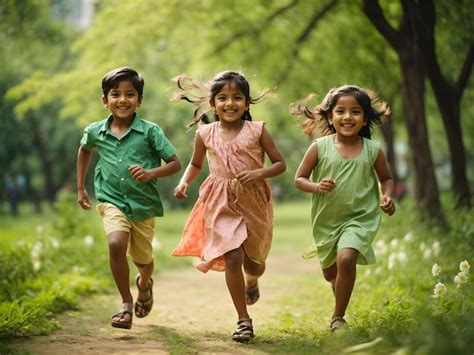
(230, 226)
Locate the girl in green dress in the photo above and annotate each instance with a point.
(342, 170)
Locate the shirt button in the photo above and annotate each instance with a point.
(125, 196)
(120, 160)
(122, 179)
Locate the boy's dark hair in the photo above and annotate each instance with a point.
(318, 118)
(113, 78)
(200, 94)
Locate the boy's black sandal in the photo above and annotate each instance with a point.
(244, 331)
(334, 326)
(121, 314)
(143, 308)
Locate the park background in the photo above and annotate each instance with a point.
(417, 55)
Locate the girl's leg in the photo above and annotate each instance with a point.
(235, 280)
(346, 274)
(330, 275)
(252, 273)
(118, 242)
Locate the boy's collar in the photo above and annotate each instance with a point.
(136, 123)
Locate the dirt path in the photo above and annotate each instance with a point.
(193, 313)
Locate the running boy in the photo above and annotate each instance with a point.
(130, 153)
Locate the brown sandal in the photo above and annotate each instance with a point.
(143, 308)
(252, 295)
(244, 332)
(121, 314)
(336, 326)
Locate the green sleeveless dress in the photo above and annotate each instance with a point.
(349, 216)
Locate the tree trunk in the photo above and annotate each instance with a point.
(413, 95)
(413, 101)
(46, 162)
(448, 94)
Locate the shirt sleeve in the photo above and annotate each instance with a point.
(161, 144)
(87, 140)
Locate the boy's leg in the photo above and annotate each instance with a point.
(143, 283)
(118, 242)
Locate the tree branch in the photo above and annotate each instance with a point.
(248, 30)
(465, 72)
(374, 13)
(317, 16)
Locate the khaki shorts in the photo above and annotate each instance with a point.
(140, 232)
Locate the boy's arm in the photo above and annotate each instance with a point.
(83, 160)
(386, 182)
(173, 165)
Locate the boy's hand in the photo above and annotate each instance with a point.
(139, 174)
(387, 205)
(181, 191)
(326, 185)
(83, 199)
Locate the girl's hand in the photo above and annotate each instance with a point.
(326, 185)
(248, 176)
(181, 191)
(139, 174)
(83, 199)
(387, 205)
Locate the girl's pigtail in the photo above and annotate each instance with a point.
(313, 122)
(193, 92)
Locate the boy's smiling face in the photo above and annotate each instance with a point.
(122, 101)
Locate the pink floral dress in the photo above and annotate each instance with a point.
(228, 214)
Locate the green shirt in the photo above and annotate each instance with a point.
(145, 144)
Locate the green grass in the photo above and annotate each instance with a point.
(392, 309)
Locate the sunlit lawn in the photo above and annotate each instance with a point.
(391, 300)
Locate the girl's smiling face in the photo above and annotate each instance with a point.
(123, 100)
(230, 103)
(347, 116)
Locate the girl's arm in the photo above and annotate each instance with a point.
(82, 165)
(302, 182)
(386, 182)
(193, 170)
(278, 163)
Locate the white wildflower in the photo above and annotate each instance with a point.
(381, 247)
(436, 248)
(89, 240)
(394, 243)
(39, 229)
(427, 254)
(55, 243)
(408, 237)
(36, 265)
(440, 290)
(391, 261)
(436, 270)
(460, 279)
(36, 250)
(402, 256)
(464, 267)
(422, 246)
(156, 244)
